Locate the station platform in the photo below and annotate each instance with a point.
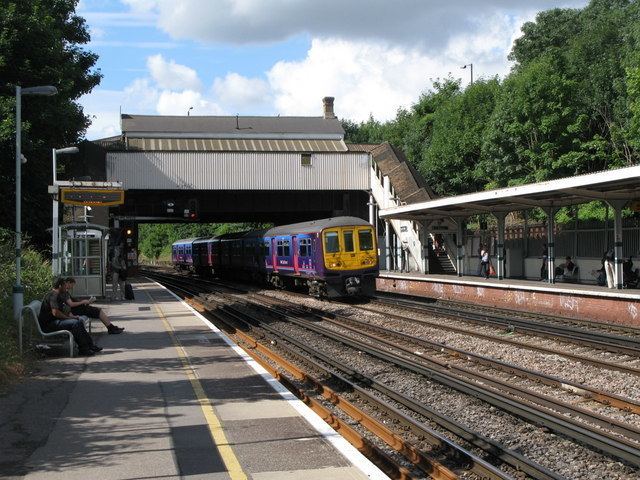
(571, 300)
(171, 397)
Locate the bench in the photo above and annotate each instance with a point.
(63, 337)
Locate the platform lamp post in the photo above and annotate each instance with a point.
(55, 234)
(47, 90)
(470, 65)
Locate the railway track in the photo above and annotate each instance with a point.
(231, 317)
(572, 421)
(578, 350)
(584, 333)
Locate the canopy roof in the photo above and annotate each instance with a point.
(618, 184)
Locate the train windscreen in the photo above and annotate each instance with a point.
(365, 239)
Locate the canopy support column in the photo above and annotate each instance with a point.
(372, 209)
(387, 242)
(500, 216)
(459, 246)
(551, 260)
(617, 239)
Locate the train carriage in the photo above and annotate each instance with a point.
(331, 257)
(182, 253)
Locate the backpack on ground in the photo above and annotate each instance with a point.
(128, 292)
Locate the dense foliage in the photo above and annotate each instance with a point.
(40, 45)
(571, 105)
(155, 239)
(36, 279)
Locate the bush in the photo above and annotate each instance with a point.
(36, 280)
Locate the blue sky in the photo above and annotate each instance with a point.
(270, 57)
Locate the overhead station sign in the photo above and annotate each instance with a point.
(99, 197)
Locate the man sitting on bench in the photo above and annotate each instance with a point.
(51, 319)
(568, 270)
(83, 307)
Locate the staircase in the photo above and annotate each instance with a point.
(395, 182)
(440, 263)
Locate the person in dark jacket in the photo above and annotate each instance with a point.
(52, 318)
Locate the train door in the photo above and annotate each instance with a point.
(274, 254)
(295, 255)
(349, 257)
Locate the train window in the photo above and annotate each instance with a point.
(331, 242)
(280, 248)
(305, 247)
(287, 248)
(365, 239)
(267, 246)
(348, 241)
(305, 159)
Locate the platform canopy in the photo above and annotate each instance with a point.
(610, 185)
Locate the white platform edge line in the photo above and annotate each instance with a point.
(344, 447)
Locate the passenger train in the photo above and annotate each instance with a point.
(333, 257)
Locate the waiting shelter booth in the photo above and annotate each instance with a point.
(84, 257)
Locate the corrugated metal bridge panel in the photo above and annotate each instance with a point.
(238, 171)
(235, 145)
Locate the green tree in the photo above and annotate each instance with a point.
(40, 44)
(450, 158)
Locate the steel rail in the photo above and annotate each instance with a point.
(492, 447)
(507, 312)
(494, 338)
(569, 427)
(566, 426)
(429, 465)
(623, 403)
(610, 343)
(542, 399)
(481, 467)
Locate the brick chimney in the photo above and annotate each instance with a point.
(327, 102)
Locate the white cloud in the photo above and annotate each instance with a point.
(368, 78)
(241, 93)
(171, 75)
(178, 103)
(423, 24)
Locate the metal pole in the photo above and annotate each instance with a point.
(500, 216)
(18, 291)
(459, 244)
(55, 247)
(387, 238)
(551, 259)
(471, 73)
(617, 242)
(372, 212)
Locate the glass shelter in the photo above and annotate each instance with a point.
(84, 257)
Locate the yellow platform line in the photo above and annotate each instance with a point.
(213, 422)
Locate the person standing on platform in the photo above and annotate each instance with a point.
(545, 259)
(484, 262)
(404, 268)
(118, 273)
(609, 269)
(480, 247)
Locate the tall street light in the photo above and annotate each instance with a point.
(18, 291)
(55, 234)
(470, 65)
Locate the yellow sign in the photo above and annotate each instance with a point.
(99, 197)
